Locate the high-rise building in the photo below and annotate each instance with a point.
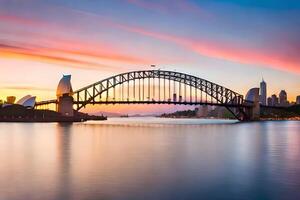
(263, 92)
(269, 101)
(298, 99)
(274, 100)
(202, 111)
(283, 98)
(10, 99)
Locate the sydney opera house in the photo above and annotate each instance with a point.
(64, 88)
(23, 110)
(27, 101)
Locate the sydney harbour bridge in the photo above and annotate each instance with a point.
(153, 87)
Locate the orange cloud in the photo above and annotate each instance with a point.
(47, 47)
(89, 52)
(74, 54)
(18, 53)
(26, 88)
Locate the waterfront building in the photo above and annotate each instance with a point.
(180, 98)
(202, 111)
(253, 96)
(263, 92)
(174, 97)
(269, 101)
(283, 98)
(274, 100)
(298, 100)
(10, 99)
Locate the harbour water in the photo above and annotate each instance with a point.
(150, 158)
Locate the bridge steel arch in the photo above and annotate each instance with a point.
(221, 95)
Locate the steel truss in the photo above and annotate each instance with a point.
(157, 87)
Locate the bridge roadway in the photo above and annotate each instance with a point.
(164, 102)
(54, 101)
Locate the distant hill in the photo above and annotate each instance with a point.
(107, 114)
(266, 113)
(178, 114)
(218, 112)
(288, 112)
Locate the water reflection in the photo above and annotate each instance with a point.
(63, 140)
(148, 160)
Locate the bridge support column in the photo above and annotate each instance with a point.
(254, 111)
(65, 105)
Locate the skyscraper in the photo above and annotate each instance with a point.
(274, 100)
(298, 100)
(283, 98)
(11, 99)
(263, 92)
(269, 100)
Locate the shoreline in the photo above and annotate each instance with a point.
(52, 120)
(17, 113)
(262, 119)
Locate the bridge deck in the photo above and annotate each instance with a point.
(45, 102)
(162, 102)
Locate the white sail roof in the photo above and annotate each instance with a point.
(27, 101)
(23, 99)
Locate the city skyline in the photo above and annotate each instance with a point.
(213, 40)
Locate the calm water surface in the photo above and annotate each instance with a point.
(150, 158)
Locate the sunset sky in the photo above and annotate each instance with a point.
(233, 43)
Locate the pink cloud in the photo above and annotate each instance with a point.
(226, 51)
(80, 58)
(18, 20)
(72, 50)
(233, 52)
(49, 47)
(281, 59)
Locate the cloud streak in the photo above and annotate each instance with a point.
(82, 54)
(4, 18)
(48, 48)
(26, 88)
(15, 52)
(223, 50)
(229, 51)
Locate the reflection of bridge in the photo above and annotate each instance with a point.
(156, 87)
